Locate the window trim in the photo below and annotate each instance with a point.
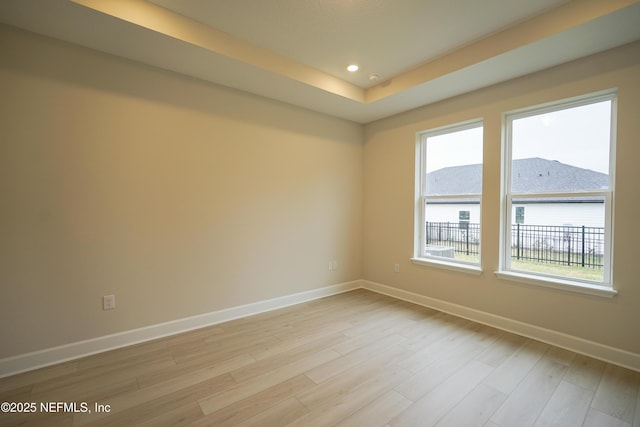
(604, 288)
(447, 265)
(419, 257)
(588, 288)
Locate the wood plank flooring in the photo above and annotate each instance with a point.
(355, 359)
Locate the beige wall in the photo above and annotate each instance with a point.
(389, 201)
(177, 196)
(182, 198)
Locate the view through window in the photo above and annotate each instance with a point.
(559, 172)
(451, 187)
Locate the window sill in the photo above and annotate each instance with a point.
(557, 283)
(447, 265)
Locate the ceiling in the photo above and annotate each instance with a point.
(296, 51)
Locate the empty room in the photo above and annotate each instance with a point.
(319, 213)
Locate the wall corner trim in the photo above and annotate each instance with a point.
(50, 356)
(593, 349)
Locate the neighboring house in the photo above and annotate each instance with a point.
(529, 175)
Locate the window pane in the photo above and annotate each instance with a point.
(454, 163)
(559, 190)
(562, 151)
(452, 184)
(448, 233)
(560, 236)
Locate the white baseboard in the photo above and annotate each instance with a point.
(38, 359)
(579, 345)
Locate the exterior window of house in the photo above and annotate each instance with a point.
(463, 219)
(559, 161)
(448, 196)
(520, 215)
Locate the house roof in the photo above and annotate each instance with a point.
(533, 175)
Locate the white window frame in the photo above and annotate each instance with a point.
(420, 258)
(604, 288)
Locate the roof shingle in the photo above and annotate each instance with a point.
(533, 175)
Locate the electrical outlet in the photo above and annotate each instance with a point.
(396, 268)
(108, 302)
(335, 265)
(330, 265)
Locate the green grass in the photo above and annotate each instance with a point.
(574, 271)
(465, 257)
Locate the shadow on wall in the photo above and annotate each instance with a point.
(100, 71)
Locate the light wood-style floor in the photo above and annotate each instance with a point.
(355, 359)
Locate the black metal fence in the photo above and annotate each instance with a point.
(463, 236)
(568, 245)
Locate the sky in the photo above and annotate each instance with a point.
(454, 149)
(578, 136)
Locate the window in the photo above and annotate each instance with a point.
(463, 218)
(558, 162)
(448, 196)
(519, 214)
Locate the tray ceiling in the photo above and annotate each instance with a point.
(297, 51)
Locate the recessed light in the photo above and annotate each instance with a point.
(352, 68)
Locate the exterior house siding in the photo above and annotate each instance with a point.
(552, 214)
(555, 214)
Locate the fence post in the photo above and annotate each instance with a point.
(426, 234)
(583, 245)
(518, 240)
(569, 249)
(467, 234)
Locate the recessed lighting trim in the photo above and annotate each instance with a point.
(352, 68)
